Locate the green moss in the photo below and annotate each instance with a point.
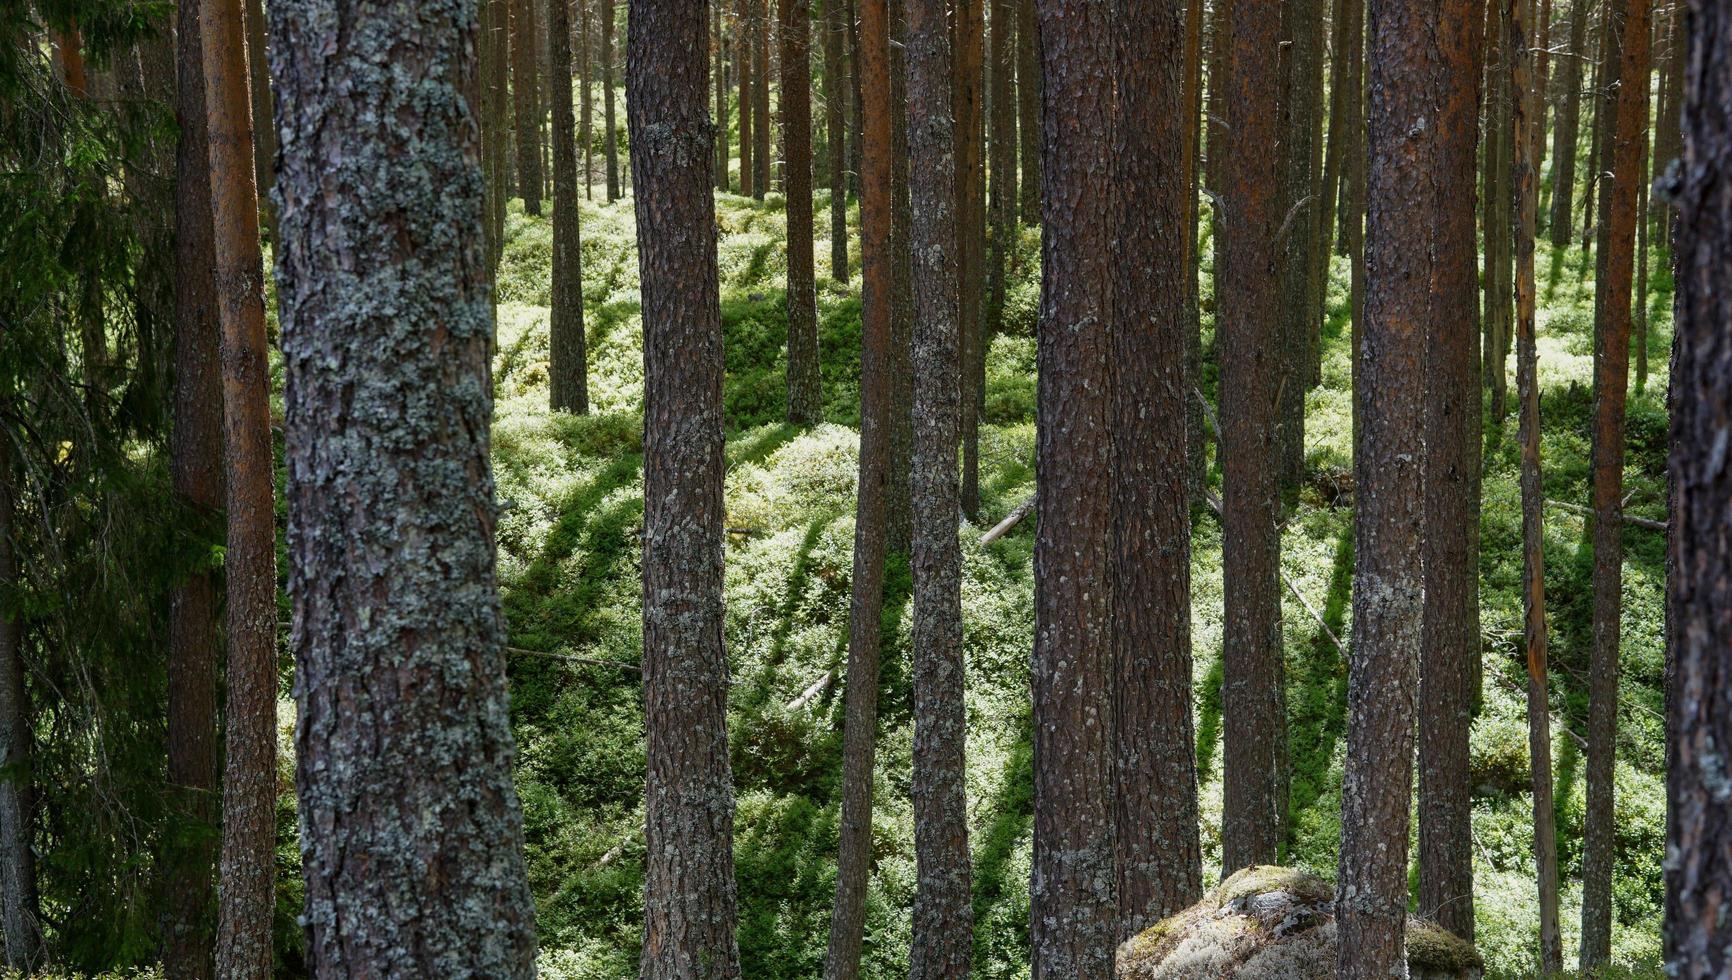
(1432, 947)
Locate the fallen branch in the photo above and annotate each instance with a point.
(1648, 523)
(593, 661)
(811, 693)
(1011, 520)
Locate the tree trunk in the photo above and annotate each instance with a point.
(1498, 164)
(860, 732)
(1001, 205)
(719, 71)
(855, 102)
(523, 84)
(1159, 855)
(19, 908)
(248, 870)
(746, 50)
(196, 467)
(264, 130)
(567, 371)
(1300, 108)
(1073, 922)
(761, 99)
(1568, 125)
(968, 45)
(1028, 110)
(943, 915)
(1611, 380)
(1527, 111)
(898, 504)
(1353, 179)
(835, 134)
(1699, 725)
(805, 400)
(610, 150)
(689, 892)
(1388, 591)
(1196, 438)
(1254, 796)
(1450, 644)
(412, 838)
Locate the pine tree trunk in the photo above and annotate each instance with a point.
(1159, 855)
(1073, 915)
(761, 99)
(855, 102)
(1197, 448)
(264, 130)
(523, 85)
(1611, 380)
(1565, 131)
(968, 44)
(567, 370)
(746, 51)
(1002, 203)
(719, 70)
(898, 504)
(1028, 110)
(1450, 644)
(835, 133)
(1300, 317)
(1699, 725)
(19, 908)
(195, 464)
(248, 869)
(805, 400)
(943, 915)
(854, 858)
(610, 150)
(1527, 111)
(1498, 162)
(586, 99)
(1371, 890)
(689, 891)
(1254, 797)
(1353, 178)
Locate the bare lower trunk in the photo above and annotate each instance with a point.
(835, 135)
(19, 925)
(969, 45)
(805, 400)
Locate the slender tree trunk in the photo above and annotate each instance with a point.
(264, 130)
(488, 120)
(943, 916)
(586, 97)
(836, 140)
(1699, 724)
(1334, 140)
(1569, 114)
(568, 372)
(1353, 180)
(1541, 33)
(1254, 797)
(1197, 449)
(898, 504)
(853, 865)
(1159, 855)
(1639, 300)
(196, 467)
(689, 892)
(856, 103)
(1388, 590)
(19, 908)
(746, 51)
(968, 44)
(719, 70)
(523, 85)
(1527, 110)
(1450, 644)
(1028, 125)
(243, 948)
(610, 150)
(1300, 109)
(805, 400)
(1498, 163)
(761, 99)
(1002, 202)
(1073, 921)
(1611, 379)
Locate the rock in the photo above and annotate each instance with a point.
(1275, 923)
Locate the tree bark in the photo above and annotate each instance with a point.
(1388, 589)
(719, 71)
(835, 136)
(745, 51)
(568, 372)
(805, 400)
(19, 908)
(1300, 315)
(1450, 644)
(1159, 855)
(1568, 125)
(1197, 434)
(1699, 723)
(969, 47)
(523, 84)
(1028, 110)
(860, 732)
(1499, 162)
(943, 915)
(689, 891)
(898, 504)
(1073, 914)
(1254, 794)
(761, 99)
(264, 130)
(610, 150)
(1002, 201)
(1611, 380)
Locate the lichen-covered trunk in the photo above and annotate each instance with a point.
(1254, 796)
(1699, 722)
(610, 127)
(835, 135)
(1028, 110)
(1388, 589)
(195, 465)
(567, 370)
(968, 44)
(1611, 383)
(1073, 916)
(1450, 645)
(1159, 856)
(1568, 125)
(860, 725)
(1301, 314)
(411, 835)
(523, 85)
(805, 400)
(248, 864)
(19, 911)
(689, 893)
(943, 916)
(744, 51)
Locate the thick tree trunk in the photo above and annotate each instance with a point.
(1611, 380)
(1566, 129)
(1699, 724)
(854, 859)
(1450, 645)
(689, 893)
(1254, 795)
(805, 400)
(1073, 916)
(835, 135)
(943, 916)
(745, 49)
(523, 86)
(19, 911)
(610, 149)
(568, 372)
(411, 834)
(1159, 855)
(1527, 118)
(1028, 110)
(969, 47)
(195, 452)
(1388, 590)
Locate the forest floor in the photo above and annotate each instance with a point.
(569, 567)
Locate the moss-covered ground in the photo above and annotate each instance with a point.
(568, 560)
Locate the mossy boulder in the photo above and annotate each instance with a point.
(1275, 923)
